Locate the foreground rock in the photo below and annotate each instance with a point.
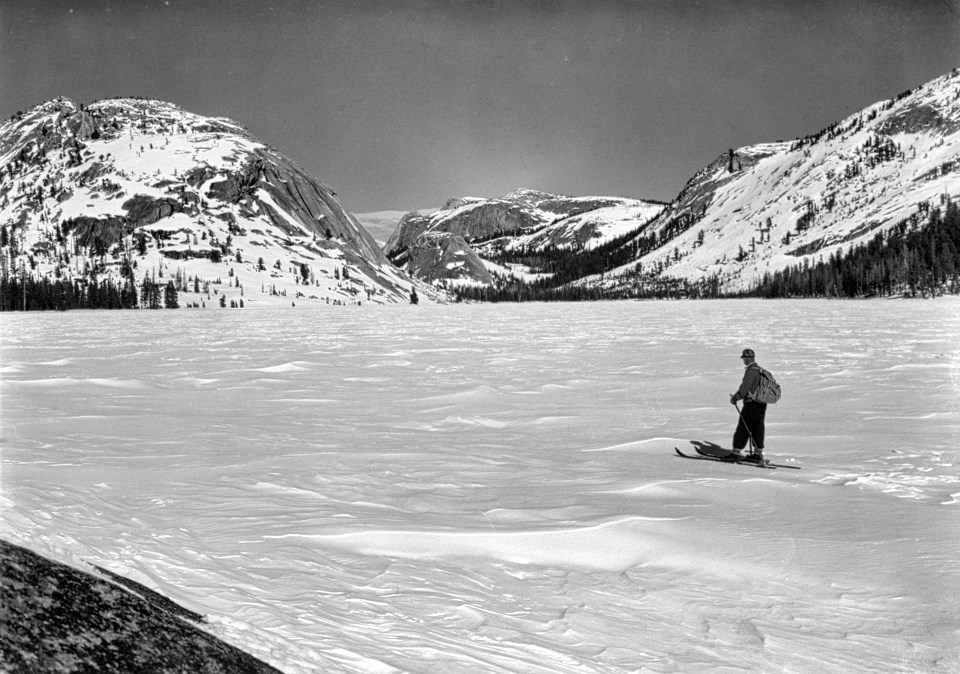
(54, 618)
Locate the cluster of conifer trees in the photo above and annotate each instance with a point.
(565, 265)
(18, 293)
(908, 259)
(568, 264)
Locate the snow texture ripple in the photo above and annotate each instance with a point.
(494, 489)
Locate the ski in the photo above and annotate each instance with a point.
(705, 457)
(729, 457)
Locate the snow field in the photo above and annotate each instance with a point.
(493, 488)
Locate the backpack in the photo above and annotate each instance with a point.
(768, 391)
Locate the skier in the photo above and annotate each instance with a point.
(751, 424)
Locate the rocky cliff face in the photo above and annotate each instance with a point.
(482, 229)
(446, 257)
(133, 189)
(468, 218)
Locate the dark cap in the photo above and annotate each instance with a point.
(748, 353)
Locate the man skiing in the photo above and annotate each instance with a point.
(751, 424)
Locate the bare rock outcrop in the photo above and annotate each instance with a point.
(446, 257)
(56, 618)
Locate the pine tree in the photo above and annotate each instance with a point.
(170, 300)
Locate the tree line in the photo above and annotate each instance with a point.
(908, 259)
(30, 293)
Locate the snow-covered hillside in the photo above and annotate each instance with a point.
(128, 189)
(762, 208)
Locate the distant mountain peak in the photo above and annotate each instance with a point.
(523, 194)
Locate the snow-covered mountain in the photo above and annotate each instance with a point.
(142, 194)
(762, 208)
(754, 211)
(465, 236)
(124, 190)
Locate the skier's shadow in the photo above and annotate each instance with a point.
(709, 448)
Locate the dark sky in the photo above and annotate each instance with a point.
(400, 105)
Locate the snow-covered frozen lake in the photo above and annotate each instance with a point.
(493, 488)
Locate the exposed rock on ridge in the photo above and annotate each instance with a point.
(445, 257)
(58, 619)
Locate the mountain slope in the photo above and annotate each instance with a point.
(125, 190)
(763, 208)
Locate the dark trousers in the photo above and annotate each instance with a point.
(751, 423)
